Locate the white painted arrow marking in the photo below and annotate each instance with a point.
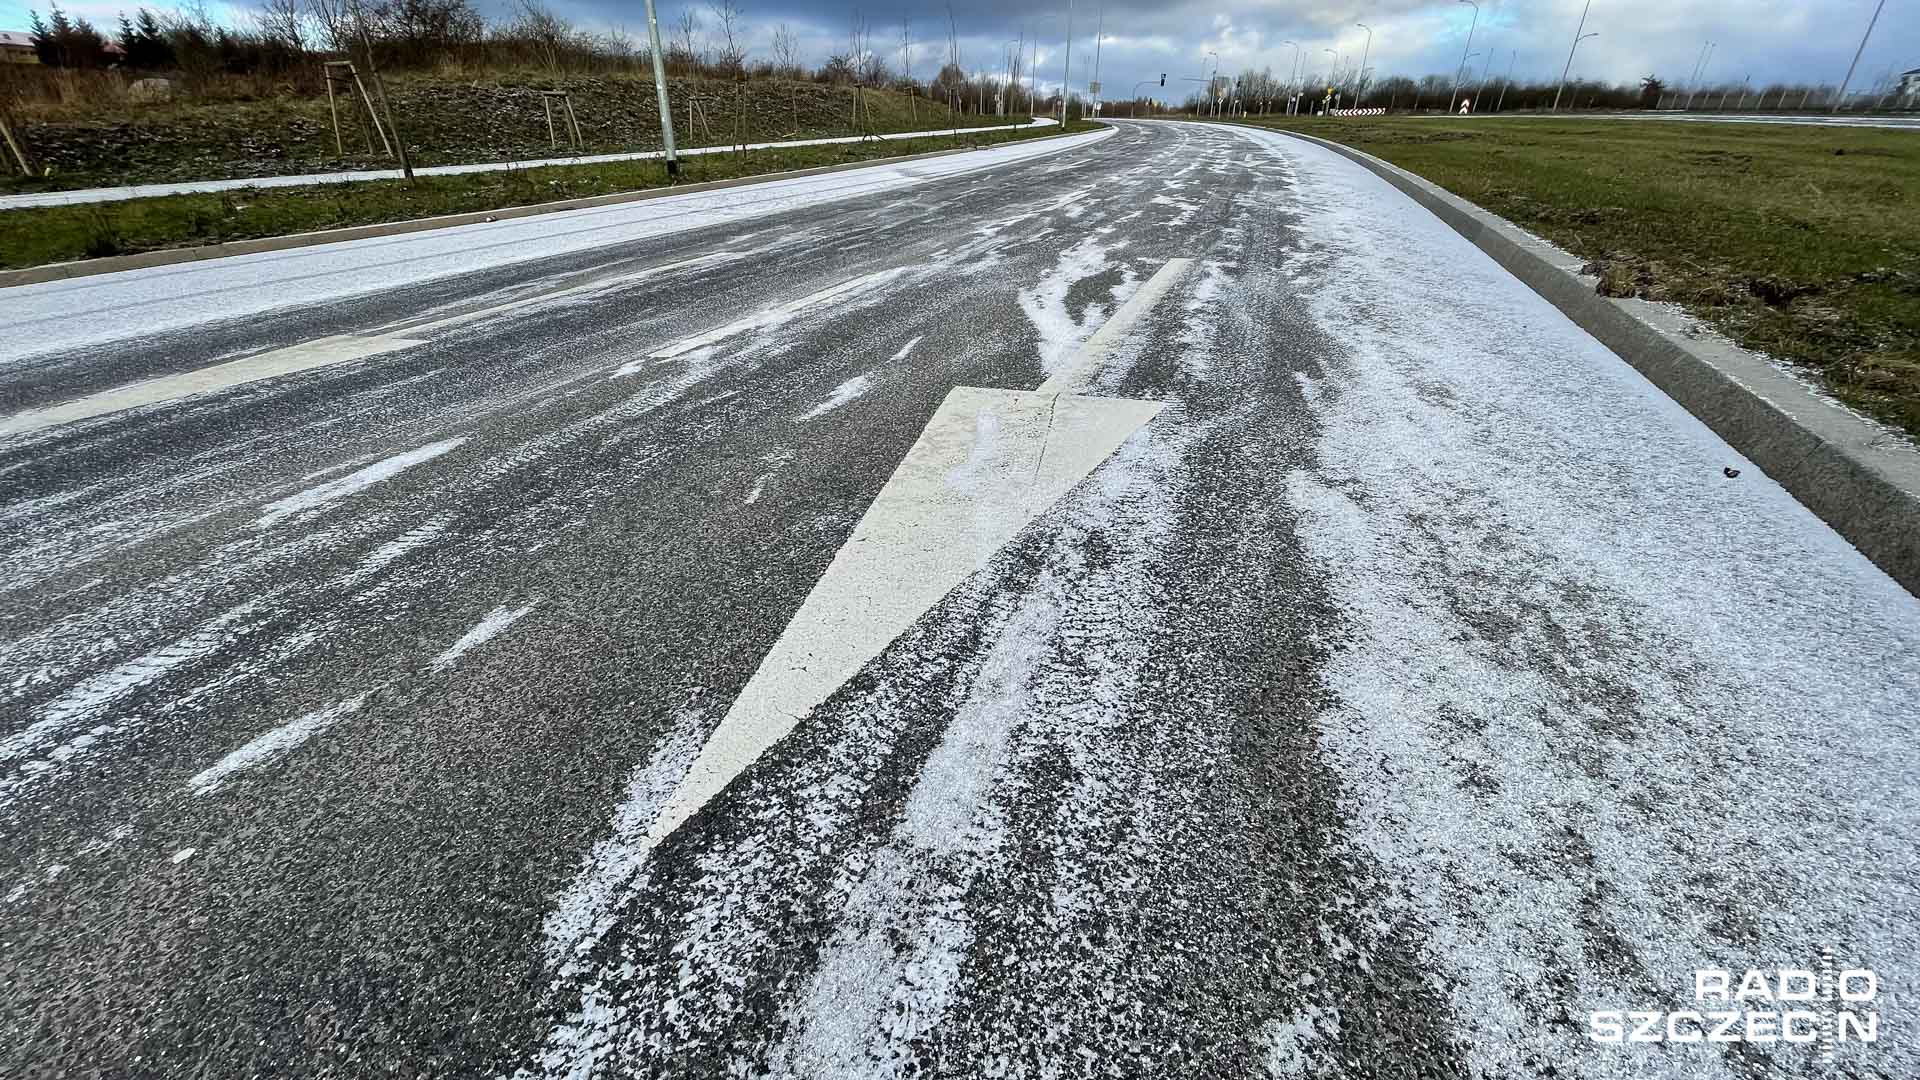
(989, 462)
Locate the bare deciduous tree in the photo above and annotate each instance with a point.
(733, 53)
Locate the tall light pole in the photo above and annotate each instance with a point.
(1333, 70)
(1033, 78)
(1099, 31)
(1842, 98)
(1576, 45)
(1293, 77)
(1498, 105)
(1006, 96)
(1066, 74)
(1359, 91)
(1213, 94)
(1563, 74)
(1135, 92)
(660, 87)
(1702, 75)
(1695, 73)
(1454, 95)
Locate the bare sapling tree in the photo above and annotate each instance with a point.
(285, 23)
(686, 33)
(859, 49)
(906, 70)
(732, 63)
(8, 124)
(953, 65)
(786, 65)
(358, 13)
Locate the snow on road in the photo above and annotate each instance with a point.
(1588, 675)
(145, 302)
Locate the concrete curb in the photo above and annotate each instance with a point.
(1859, 478)
(34, 275)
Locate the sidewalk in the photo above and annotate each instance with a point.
(142, 191)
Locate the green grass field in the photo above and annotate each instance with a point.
(1799, 242)
(41, 235)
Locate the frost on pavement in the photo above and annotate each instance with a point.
(1605, 716)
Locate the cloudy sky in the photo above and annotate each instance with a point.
(1789, 40)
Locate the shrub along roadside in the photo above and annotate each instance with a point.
(41, 235)
(1799, 242)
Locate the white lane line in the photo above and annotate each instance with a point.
(320, 352)
(495, 623)
(599, 285)
(850, 390)
(1074, 375)
(272, 745)
(905, 349)
(351, 484)
(778, 314)
(989, 462)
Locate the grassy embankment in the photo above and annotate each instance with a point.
(32, 237)
(1799, 242)
(253, 127)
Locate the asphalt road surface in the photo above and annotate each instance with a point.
(1154, 603)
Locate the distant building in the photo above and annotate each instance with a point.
(17, 46)
(1910, 85)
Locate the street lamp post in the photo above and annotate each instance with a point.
(1577, 38)
(1099, 31)
(660, 87)
(1563, 74)
(1135, 93)
(1006, 95)
(1498, 105)
(1213, 95)
(1333, 70)
(1702, 75)
(1066, 74)
(1033, 79)
(1841, 98)
(1359, 92)
(1695, 73)
(1293, 78)
(1465, 55)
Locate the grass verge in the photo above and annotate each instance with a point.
(41, 235)
(1799, 242)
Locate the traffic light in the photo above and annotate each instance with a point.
(1163, 78)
